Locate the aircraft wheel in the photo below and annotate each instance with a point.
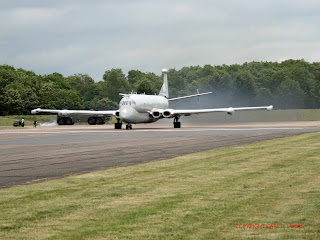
(68, 121)
(99, 120)
(61, 121)
(92, 121)
(117, 125)
(177, 124)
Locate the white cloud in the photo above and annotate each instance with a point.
(34, 15)
(93, 36)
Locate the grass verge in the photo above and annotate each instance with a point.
(196, 196)
(8, 120)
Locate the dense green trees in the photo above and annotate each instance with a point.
(115, 83)
(290, 84)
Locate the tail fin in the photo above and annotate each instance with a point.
(164, 90)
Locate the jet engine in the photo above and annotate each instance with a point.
(167, 113)
(117, 114)
(156, 114)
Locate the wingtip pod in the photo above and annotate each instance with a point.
(230, 110)
(270, 108)
(63, 113)
(34, 111)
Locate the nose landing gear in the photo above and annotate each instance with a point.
(118, 125)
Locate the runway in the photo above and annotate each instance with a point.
(33, 155)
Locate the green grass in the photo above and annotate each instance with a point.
(285, 115)
(196, 196)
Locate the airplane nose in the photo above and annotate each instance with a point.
(126, 113)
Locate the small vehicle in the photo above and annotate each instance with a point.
(16, 123)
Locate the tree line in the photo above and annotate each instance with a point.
(286, 85)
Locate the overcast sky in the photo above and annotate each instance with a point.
(78, 36)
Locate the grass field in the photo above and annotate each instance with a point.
(196, 196)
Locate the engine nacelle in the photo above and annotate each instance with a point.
(167, 113)
(63, 113)
(230, 110)
(117, 114)
(156, 114)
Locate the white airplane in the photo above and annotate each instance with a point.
(140, 108)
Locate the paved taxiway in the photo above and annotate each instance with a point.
(32, 155)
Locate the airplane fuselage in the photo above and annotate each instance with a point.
(136, 108)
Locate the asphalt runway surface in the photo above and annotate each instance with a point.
(33, 155)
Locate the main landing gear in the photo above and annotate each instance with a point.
(95, 120)
(118, 124)
(176, 123)
(128, 126)
(65, 121)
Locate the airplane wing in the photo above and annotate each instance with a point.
(68, 112)
(230, 110)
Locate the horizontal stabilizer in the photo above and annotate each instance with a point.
(190, 96)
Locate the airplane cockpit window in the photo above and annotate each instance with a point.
(127, 103)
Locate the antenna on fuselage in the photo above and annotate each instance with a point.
(164, 89)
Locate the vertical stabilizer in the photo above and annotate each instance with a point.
(164, 90)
